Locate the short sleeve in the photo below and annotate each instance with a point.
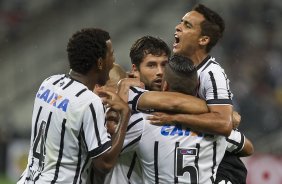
(94, 132)
(235, 141)
(133, 97)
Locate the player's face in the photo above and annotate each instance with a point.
(112, 118)
(108, 62)
(188, 34)
(151, 71)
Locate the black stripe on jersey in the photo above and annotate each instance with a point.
(80, 92)
(135, 99)
(220, 101)
(227, 86)
(100, 149)
(36, 121)
(56, 82)
(79, 157)
(197, 158)
(156, 149)
(132, 164)
(68, 84)
(213, 85)
(238, 144)
(83, 137)
(48, 124)
(175, 161)
(134, 123)
(132, 142)
(60, 152)
(214, 161)
(95, 124)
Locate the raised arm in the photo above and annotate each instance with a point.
(108, 159)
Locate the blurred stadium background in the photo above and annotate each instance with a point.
(33, 38)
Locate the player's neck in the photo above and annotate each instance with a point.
(198, 58)
(84, 79)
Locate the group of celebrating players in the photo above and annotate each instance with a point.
(170, 120)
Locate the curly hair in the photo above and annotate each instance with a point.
(147, 45)
(181, 75)
(213, 26)
(85, 47)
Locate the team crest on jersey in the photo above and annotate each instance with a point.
(177, 130)
(53, 98)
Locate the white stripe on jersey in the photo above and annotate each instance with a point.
(214, 84)
(67, 131)
(174, 154)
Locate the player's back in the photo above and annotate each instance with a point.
(61, 124)
(175, 154)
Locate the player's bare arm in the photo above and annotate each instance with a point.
(108, 159)
(247, 150)
(205, 122)
(172, 102)
(215, 119)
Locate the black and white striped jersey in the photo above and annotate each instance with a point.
(126, 170)
(67, 132)
(213, 83)
(175, 154)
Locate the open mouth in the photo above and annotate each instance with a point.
(176, 39)
(158, 81)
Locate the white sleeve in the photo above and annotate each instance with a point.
(134, 133)
(134, 94)
(94, 132)
(235, 141)
(216, 84)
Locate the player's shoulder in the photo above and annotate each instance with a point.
(53, 78)
(77, 92)
(210, 64)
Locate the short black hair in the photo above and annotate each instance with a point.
(85, 47)
(213, 26)
(147, 45)
(181, 75)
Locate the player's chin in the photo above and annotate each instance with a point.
(175, 50)
(156, 88)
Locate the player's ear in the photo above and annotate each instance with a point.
(134, 68)
(204, 40)
(135, 71)
(165, 86)
(100, 64)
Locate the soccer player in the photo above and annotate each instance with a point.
(148, 57)
(195, 36)
(175, 153)
(68, 132)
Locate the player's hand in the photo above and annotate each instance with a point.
(161, 118)
(112, 100)
(236, 119)
(125, 84)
